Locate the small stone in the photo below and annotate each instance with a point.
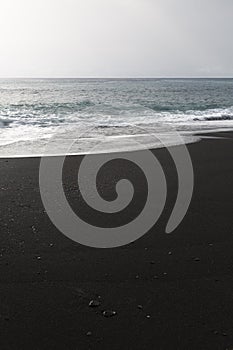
(38, 257)
(146, 248)
(196, 259)
(94, 303)
(89, 334)
(224, 334)
(51, 245)
(137, 277)
(148, 316)
(109, 313)
(170, 253)
(140, 307)
(33, 228)
(156, 277)
(165, 273)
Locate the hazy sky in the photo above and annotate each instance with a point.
(116, 38)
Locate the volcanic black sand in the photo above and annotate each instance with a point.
(167, 291)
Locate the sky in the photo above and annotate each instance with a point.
(116, 38)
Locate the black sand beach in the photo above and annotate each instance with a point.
(168, 291)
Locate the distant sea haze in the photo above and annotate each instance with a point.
(114, 110)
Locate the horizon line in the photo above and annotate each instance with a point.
(117, 77)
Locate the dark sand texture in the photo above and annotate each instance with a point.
(177, 300)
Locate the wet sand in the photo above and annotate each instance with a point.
(168, 291)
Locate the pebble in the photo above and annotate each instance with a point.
(140, 307)
(33, 228)
(94, 303)
(148, 316)
(136, 276)
(196, 259)
(109, 313)
(89, 334)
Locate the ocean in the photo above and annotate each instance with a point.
(109, 112)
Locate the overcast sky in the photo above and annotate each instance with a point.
(116, 38)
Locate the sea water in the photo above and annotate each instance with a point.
(108, 112)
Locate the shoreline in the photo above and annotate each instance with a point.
(197, 137)
(182, 282)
